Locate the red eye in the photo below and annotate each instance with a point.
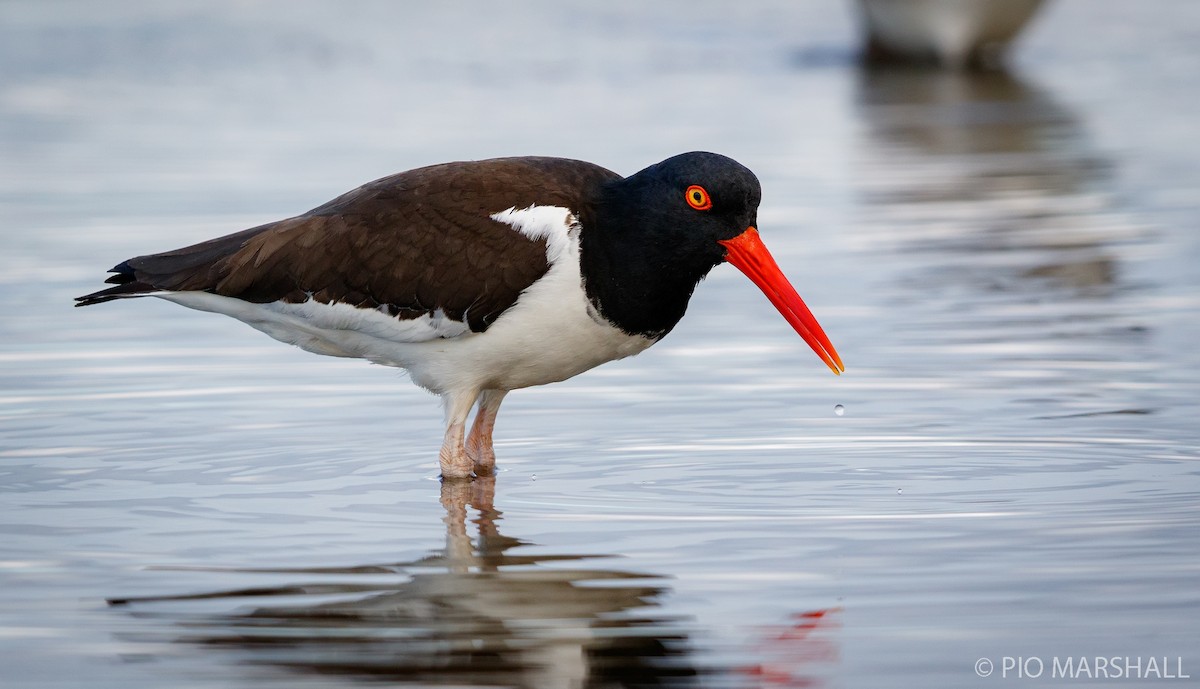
(698, 198)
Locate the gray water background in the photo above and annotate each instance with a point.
(1006, 262)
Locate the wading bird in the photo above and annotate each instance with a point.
(487, 276)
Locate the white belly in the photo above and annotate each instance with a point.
(547, 337)
(550, 334)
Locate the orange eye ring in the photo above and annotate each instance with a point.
(698, 198)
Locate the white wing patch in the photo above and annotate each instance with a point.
(552, 224)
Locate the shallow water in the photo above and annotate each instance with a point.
(1006, 262)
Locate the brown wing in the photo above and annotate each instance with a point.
(414, 242)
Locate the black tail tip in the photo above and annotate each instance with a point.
(127, 289)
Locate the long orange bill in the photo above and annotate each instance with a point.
(747, 252)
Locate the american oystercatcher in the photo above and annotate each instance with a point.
(487, 276)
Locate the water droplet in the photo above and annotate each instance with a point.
(899, 491)
(533, 477)
(839, 409)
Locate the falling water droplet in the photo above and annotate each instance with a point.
(533, 477)
(899, 491)
(839, 409)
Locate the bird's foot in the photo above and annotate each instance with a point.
(464, 462)
(457, 469)
(457, 474)
(453, 458)
(482, 456)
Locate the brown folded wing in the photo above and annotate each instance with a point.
(411, 243)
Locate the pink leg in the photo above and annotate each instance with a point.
(453, 457)
(479, 442)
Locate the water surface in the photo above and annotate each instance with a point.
(1006, 262)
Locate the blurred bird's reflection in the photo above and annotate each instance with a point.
(1018, 264)
(984, 162)
(476, 613)
(471, 614)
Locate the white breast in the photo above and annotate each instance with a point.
(550, 334)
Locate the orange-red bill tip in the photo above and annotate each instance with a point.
(748, 254)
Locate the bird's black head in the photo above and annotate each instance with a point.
(653, 236)
(687, 204)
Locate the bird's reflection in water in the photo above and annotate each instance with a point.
(986, 163)
(1020, 262)
(473, 614)
(992, 131)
